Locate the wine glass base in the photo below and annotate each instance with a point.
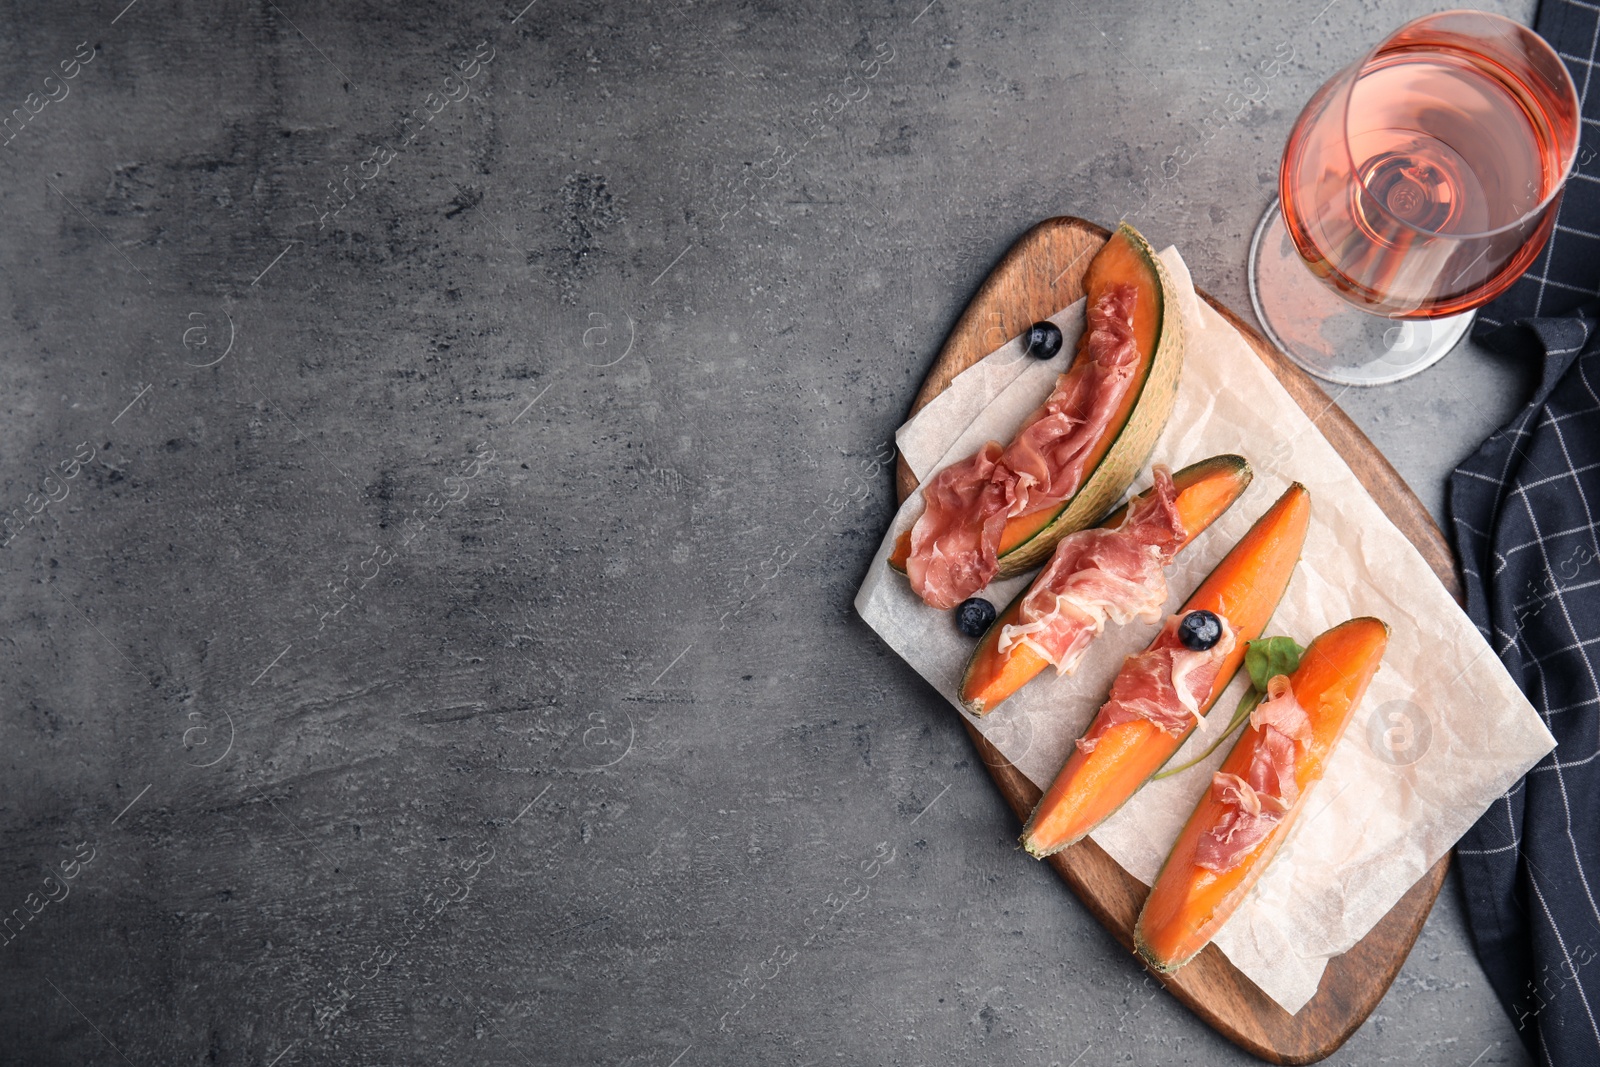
(1328, 337)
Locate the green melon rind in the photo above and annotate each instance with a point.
(1136, 440)
(1148, 955)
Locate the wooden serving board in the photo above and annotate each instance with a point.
(1042, 273)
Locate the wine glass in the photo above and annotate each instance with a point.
(1417, 185)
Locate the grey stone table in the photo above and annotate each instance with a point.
(442, 440)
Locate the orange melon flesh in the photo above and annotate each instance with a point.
(1244, 589)
(1025, 527)
(901, 553)
(991, 675)
(1189, 903)
(1205, 490)
(1118, 263)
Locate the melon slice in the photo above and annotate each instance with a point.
(1126, 259)
(1190, 903)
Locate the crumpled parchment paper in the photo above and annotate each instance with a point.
(1442, 730)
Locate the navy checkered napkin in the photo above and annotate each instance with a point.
(1526, 516)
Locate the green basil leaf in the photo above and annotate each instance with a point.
(1269, 657)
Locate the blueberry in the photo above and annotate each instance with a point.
(974, 616)
(1199, 631)
(1043, 340)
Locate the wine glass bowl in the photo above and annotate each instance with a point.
(1417, 184)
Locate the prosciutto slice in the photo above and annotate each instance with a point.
(1251, 816)
(1258, 802)
(955, 542)
(1165, 684)
(1096, 576)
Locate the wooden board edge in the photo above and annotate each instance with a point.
(1114, 897)
(1111, 894)
(940, 374)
